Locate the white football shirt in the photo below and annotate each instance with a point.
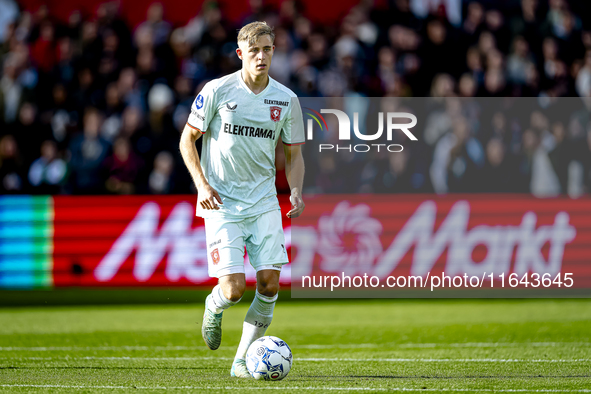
(240, 133)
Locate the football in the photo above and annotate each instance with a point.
(269, 358)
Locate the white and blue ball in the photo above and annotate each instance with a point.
(269, 358)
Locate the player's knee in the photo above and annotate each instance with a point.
(268, 289)
(235, 292)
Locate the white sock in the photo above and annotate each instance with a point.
(258, 318)
(218, 302)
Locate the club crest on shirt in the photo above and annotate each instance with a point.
(275, 113)
(215, 256)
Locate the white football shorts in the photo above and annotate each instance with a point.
(261, 235)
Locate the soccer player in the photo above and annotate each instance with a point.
(241, 117)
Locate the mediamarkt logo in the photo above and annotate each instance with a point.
(371, 256)
(345, 130)
(185, 249)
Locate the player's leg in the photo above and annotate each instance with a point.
(260, 314)
(266, 251)
(258, 318)
(227, 293)
(225, 242)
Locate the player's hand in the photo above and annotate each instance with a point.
(297, 205)
(207, 197)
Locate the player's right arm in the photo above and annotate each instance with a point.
(202, 111)
(206, 195)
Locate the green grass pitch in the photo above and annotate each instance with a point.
(339, 346)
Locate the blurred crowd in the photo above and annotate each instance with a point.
(531, 145)
(95, 106)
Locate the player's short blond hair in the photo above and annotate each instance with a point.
(255, 30)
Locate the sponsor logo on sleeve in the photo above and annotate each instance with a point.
(199, 102)
(198, 115)
(211, 245)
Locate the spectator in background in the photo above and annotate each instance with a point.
(113, 111)
(587, 161)
(144, 83)
(474, 22)
(496, 174)
(88, 152)
(12, 91)
(494, 84)
(467, 86)
(466, 159)
(456, 159)
(441, 117)
(389, 174)
(528, 24)
(155, 22)
(146, 61)
(29, 132)
(133, 128)
(560, 155)
(129, 92)
(474, 65)
(438, 53)
(209, 16)
(524, 160)
(518, 61)
(85, 93)
(495, 23)
(186, 65)
(326, 181)
(538, 142)
(8, 15)
(155, 59)
(163, 132)
(443, 86)
(43, 49)
(583, 81)
(161, 180)
(62, 115)
(91, 43)
(48, 172)
(450, 9)
(112, 59)
(122, 168)
(566, 27)
(12, 171)
(554, 71)
(281, 57)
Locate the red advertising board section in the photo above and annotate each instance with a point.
(132, 241)
(489, 236)
(158, 241)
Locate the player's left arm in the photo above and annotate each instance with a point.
(294, 171)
